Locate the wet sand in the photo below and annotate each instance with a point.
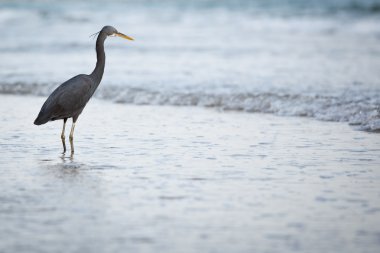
(185, 179)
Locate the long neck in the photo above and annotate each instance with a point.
(97, 74)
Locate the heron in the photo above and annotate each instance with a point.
(69, 99)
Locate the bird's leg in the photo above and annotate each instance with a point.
(71, 137)
(63, 136)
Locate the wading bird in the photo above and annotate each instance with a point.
(70, 98)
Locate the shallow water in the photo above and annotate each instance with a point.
(167, 179)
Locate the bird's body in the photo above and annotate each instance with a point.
(69, 99)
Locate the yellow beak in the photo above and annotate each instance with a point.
(123, 36)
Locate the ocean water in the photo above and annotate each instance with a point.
(316, 59)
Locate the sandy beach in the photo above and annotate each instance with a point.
(185, 179)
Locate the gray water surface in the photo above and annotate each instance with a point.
(167, 179)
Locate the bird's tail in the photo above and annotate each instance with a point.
(41, 120)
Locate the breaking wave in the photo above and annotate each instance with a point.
(358, 109)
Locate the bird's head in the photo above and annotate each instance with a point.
(111, 31)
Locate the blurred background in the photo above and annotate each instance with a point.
(289, 57)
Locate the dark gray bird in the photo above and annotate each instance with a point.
(70, 98)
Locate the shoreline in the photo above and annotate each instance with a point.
(369, 127)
